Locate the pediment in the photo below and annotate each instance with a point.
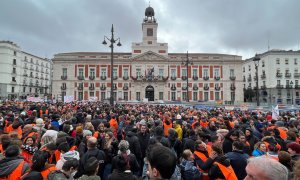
(150, 56)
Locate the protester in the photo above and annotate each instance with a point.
(67, 172)
(188, 168)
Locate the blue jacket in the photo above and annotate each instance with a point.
(238, 161)
(257, 153)
(189, 170)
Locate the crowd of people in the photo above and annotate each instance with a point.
(92, 140)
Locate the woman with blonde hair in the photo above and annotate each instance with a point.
(260, 149)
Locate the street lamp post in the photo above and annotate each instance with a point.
(112, 41)
(291, 83)
(186, 63)
(256, 60)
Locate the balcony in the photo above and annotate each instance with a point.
(288, 86)
(125, 88)
(14, 73)
(217, 78)
(24, 84)
(217, 88)
(63, 87)
(92, 88)
(288, 75)
(173, 88)
(102, 87)
(195, 78)
(183, 77)
(263, 87)
(244, 80)
(80, 77)
(46, 79)
(25, 75)
(184, 87)
(114, 87)
(62, 77)
(206, 87)
(249, 78)
(125, 78)
(31, 75)
(173, 78)
(115, 77)
(255, 78)
(103, 77)
(232, 87)
(232, 78)
(297, 86)
(296, 75)
(91, 77)
(205, 78)
(42, 78)
(278, 86)
(195, 88)
(36, 77)
(80, 88)
(13, 82)
(279, 75)
(263, 76)
(31, 84)
(150, 78)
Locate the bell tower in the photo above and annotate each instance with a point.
(149, 27)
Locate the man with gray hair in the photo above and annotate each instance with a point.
(266, 168)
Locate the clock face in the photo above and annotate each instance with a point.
(149, 32)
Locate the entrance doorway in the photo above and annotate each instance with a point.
(150, 93)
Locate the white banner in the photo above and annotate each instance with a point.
(68, 99)
(275, 112)
(93, 99)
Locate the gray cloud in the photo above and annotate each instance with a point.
(238, 27)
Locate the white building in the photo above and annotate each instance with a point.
(278, 77)
(23, 74)
(149, 71)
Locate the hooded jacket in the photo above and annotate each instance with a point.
(8, 165)
(189, 170)
(67, 156)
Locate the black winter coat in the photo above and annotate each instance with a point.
(238, 161)
(134, 144)
(144, 141)
(215, 172)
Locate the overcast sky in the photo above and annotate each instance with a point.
(242, 27)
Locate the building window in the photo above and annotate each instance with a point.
(12, 89)
(24, 89)
(30, 90)
(217, 96)
(263, 64)
(115, 71)
(14, 70)
(102, 96)
(278, 82)
(65, 72)
(243, 69)
(92, 72)
(138, 96)
(217, 72)
(195, 96)
(161, 72)
(138, 72)
(103, 72)
(287, 82)
(92, 94)
(173, 72)
(173, 96)
(125, 73)
(125, 94)
(80, 96)
(205, 72)
(149, 32)
(277, 61)
(149, 42)
(15, 53)
(231, 72)
(286, 61)
(36, 90)
(279, 92)
(184, 72)
(297, 94)
(295, 61)
(80, 72)
(184, 96)
(195, 72)
(232, 96)
(13, 79)
(14, 62)
(249, 67)
(205, 96)
(64, 85)
(161, 95)
(296, 82)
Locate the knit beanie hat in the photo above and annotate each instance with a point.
(294, 146)
(87, 133)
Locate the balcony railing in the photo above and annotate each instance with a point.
(80, 77)
(206, 87)
(288, 74)
(263, 87)
(92, 88)
(255, 78)
(173, 78)
(114, 87)
(217, 78)
(205, 78)
(195, 78)
(46, 79)
(279, 75)
(37, 77)
(115, 77)
(217, 88)
(288, 86)
(125, 88)
(244, 80)
(232, 87)
(249, 78)
(63, 87)
(195, 88)
(184, 88)
(91, 77)
(279, 86)
(63, 77)
(263, 76)
(80, 88)
(232, 78)
(183, 77)
(173, 88)
(296, 75)
(150, 78)
(103, 77)
(25, 75)
(125, 78)
(297, 86)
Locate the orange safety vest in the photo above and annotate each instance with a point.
(204, 124)
(5, 127)
(45, 172)
(227, 172)
(16, 174)
(282, 133)
(57, 155)
(19, 131)
(73, 148)
(30, 135)
(1, 148)
(41, 112)
(203, 158)
(166, 129)
(96, 134)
